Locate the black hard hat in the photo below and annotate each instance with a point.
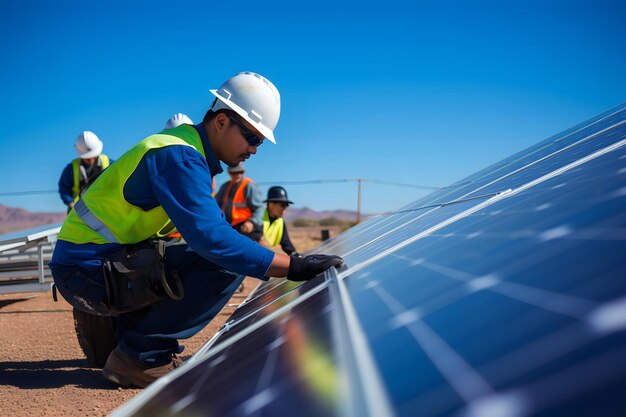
(278, 195)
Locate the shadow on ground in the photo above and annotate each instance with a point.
(9, 301)
(52, 374)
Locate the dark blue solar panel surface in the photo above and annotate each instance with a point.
(261, 307)
(287, 364)
(492, 303)
(516, 307)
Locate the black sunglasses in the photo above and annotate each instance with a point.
(251, 138)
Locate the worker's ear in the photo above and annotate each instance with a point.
(220, 122)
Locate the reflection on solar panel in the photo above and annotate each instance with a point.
(501, 295)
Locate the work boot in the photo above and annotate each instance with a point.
(122, 370)
(95, 336)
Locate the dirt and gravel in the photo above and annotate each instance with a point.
(42, 368)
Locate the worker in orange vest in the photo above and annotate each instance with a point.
(242, 203)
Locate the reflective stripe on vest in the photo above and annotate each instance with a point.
(273, 232)
(104, 163)
(239, 212)
(107, 216)
(93, 222)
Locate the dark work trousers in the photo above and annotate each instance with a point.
(151, 334)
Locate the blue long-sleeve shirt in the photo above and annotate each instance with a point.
(66, 182)
(179, 179)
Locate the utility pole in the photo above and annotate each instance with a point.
(358, 210)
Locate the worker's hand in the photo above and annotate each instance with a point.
(247, 227)
(304, 269)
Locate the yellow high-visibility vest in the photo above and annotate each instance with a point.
(273, 232)
(122, 221)
(104, 162)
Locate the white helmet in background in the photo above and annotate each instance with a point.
(88, 145)
(177, 120)
(254, 98)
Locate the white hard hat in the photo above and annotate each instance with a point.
(252, 97)
(177, 120)
(88, 145)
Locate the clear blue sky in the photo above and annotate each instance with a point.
(421, 92)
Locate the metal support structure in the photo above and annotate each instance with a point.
(358, 210)
(365, 393)
(23, 257)
(40, 265)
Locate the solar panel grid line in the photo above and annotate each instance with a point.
(443, 204)
(265, 379)
(261, 289)
(435, 303)
(388, 232)
(368, 394)
(621, 108)
(568, 305)
(235, 321)
(549, 141)
(381, 255)
(547, 156)
(465, 380)
(490, 171)
(201, 352)
(192, 392)
(540, 395)
(363, 228)
(492, 200)
(538, 352)
(264, 320)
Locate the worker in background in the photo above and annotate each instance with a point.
(177, 120)
(82, 171)
(274, 226)
(106, 263)
(242, 203)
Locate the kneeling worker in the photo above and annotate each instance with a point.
(274, 227)
(106, 261)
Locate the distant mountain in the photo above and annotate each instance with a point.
(17, 219)
(294, 213)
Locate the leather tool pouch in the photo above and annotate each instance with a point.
(135, 277)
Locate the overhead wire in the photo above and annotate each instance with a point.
(301, 182)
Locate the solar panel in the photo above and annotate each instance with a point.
(503, 295)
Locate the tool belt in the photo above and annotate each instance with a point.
(135, 277)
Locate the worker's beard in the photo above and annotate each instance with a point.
(240, 158)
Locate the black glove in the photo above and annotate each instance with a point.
(304, 269)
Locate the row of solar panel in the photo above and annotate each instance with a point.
(510, 304)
